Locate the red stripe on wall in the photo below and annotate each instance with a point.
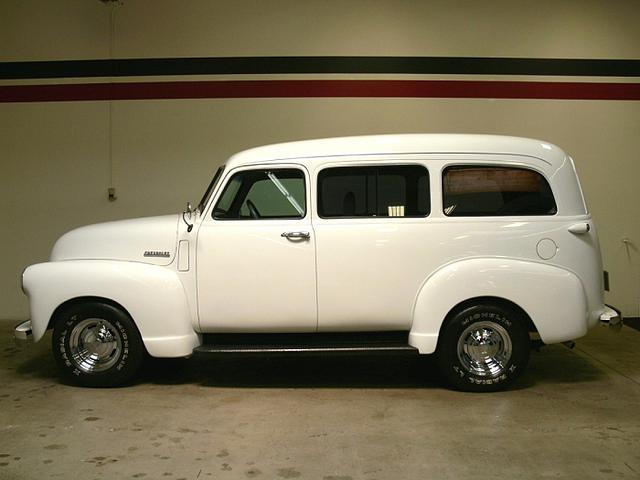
(320, 89)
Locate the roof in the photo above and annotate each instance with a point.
(401, 144)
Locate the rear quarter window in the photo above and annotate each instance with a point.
(473, 191)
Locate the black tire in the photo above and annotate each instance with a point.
(483, 348)
(97, 345)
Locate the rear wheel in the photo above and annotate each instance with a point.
(97, 345)
(483, 348)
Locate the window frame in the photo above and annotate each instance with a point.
(262, 168)
(372, 166)
(211, 188)
(471, 164)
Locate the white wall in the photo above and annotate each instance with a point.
(57, 159)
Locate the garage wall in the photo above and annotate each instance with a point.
(57, 159)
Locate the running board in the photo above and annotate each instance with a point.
(369, 343)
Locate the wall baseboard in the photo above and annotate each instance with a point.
(633, 322)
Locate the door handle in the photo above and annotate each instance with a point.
(295, 235)
(580, 228)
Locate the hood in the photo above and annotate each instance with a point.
(149, 240)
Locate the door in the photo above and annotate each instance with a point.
(372, 245)
(256, 254)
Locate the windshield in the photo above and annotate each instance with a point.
(210, 188)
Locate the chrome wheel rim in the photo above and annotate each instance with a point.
(95, 345)
(484, 349)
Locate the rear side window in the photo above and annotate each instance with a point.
(384, 191)
(471, 191)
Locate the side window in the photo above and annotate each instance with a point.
(470, 191)
(384, 191)
(263, 194)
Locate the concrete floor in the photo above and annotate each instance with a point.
(574, 414)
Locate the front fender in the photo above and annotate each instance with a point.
(153, 296)
(553, 297)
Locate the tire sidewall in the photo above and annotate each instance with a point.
(457, 374)
(130, 357)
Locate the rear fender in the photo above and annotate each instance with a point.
(551, 296)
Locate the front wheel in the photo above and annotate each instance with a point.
(483, 348)
(97, 345)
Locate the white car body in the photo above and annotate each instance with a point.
(350, 274)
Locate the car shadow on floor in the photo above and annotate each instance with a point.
(554, 364)
(295, 372)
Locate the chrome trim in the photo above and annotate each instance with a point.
(484, 349)
(295, 235)
(611, 317)
(23, 331)
(95, 345)
(156, 253)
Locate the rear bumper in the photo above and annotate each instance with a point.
(23, 331)
(611, 317)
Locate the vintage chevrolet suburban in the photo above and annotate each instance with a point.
(462, 246)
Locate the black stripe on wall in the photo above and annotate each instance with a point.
(320, 65)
